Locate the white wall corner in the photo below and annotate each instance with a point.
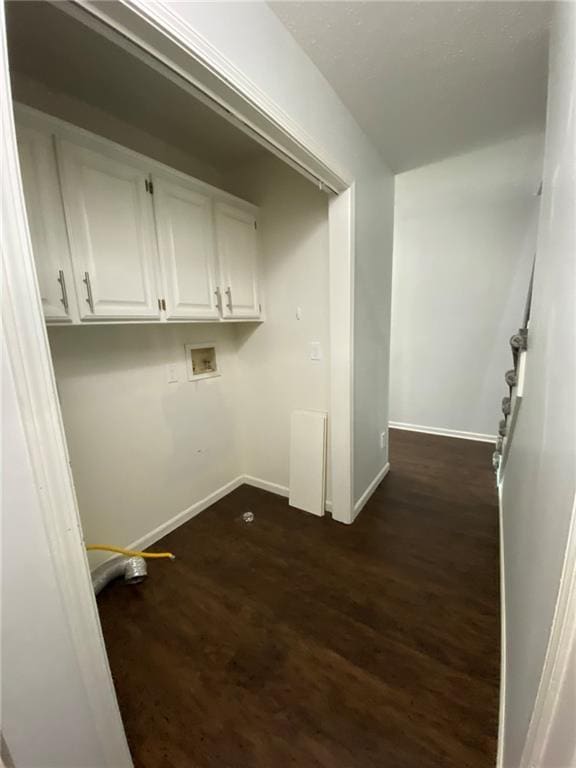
(187, 514)
(365, 498)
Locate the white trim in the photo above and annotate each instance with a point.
(279, 490)
(363, 500)
(478, 436)
(554, 672)
(503, 654)
(266, 485)
(341, 235)
(28, 350)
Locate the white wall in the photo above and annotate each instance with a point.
(463, 246)
(46, 716)
(276, 373)
(539, 482)
(144, 450)
(559, 747)
(372, 298)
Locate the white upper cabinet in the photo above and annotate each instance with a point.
(47, 224)
(238, 257)
(186, 246)
(112, 236)
(118, 237)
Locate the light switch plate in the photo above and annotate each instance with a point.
(172, 373)
(315, 350)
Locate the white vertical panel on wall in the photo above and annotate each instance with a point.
(308, 461)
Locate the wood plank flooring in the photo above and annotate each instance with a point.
(297, 641)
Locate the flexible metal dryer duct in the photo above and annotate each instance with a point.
(133, 569)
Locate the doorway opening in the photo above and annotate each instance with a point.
(117, 181)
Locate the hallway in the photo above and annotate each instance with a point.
(297, 641)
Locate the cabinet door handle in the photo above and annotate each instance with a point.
(229, 302)
(62, 281)
(89, 298)
(218, 300)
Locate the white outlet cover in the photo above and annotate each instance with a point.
(315, 350)
(172, 373)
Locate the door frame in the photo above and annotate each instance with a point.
(154, 33)
(26, 340)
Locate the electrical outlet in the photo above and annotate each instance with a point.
(382, 440)
(172, 373)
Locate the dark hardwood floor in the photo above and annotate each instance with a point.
(297, 641)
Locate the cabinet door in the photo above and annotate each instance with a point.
(186, 245)
(112, 236)
(238, 257)
(47, 224)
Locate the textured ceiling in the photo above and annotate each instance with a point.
(426, 80)
(51, 47)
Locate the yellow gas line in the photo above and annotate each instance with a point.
(130, 552)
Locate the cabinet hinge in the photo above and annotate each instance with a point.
(149, 186)
(255, 225)
(164, 304)
(160, 304)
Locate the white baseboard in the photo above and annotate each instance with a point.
(478, 436)
(266, 485)
(363, 500)
(503, 678)
(279, 490)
